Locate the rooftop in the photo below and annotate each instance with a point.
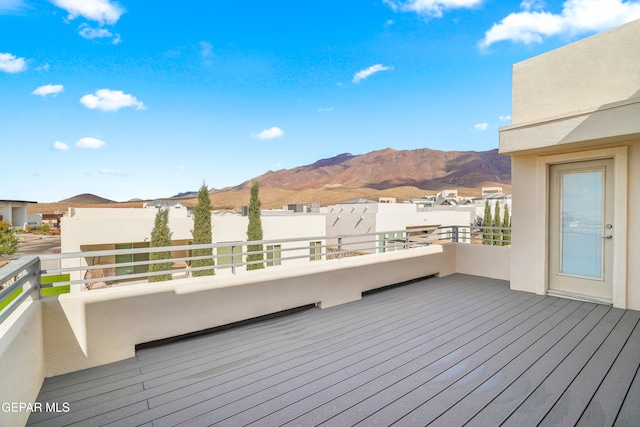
(441, 351)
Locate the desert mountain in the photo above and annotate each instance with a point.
(86, 199)
(185, 194)
(425, 169)
(402, 174)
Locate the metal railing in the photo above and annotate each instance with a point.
(23, 278)
(479, 235)
(18, 281)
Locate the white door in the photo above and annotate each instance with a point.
(581, 228)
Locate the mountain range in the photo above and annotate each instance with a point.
(402, 174)
(424, 168)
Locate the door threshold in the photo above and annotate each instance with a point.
(579, 297)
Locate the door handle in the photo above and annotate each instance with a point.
(606, 236)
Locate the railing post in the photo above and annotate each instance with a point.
(233, 260)
(454, 234)
(339, 247)
(38, 277)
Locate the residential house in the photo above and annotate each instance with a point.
(15, 212)
(361, 216)
(97, 229)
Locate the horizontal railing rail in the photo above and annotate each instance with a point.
(18, 281)
(493, 236)
(107, 268)
(226, 256)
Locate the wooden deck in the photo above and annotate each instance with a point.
(452, 351)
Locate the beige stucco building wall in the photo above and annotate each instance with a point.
(102, 229)
(363, 218)
(579, 102)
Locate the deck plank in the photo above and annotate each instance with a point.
(570, 407)
(538, 404)
(79, 390)
(502, 405)
(415, 396)
(227, 390)
(535, 364)
(629, 414)
(605, 405)
(300, 385)
(348, 391)
(452, 350)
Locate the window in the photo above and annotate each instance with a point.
(315, 250)
(273, 258)
(393, 242)
(127, 258)
(225, 255)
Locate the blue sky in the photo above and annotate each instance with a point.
(147, 99)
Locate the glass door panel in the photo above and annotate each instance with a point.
(581, 223)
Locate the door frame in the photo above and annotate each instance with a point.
(574, 284)
(619, 271)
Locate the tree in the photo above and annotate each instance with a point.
(202, 233)
(160, 237)
(8, 240)
(506, 223)
(487, 236)
(497, 233)
(254, 231)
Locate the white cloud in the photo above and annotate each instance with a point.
(532, 5)
(481, 126)
(8, 6)
(48, 90)
(93, 33)
(322, 110)
(11, 64)
(367, 72)
(505, 118)
(532, 24)
(206, 50)
(111, 100)
(270, 133)
(60, 146)
(101, 11)
(89, 142)
(432, 8)
(45, 67)
(111, 172)
(90, 33)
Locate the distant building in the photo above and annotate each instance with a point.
(53, 220)
(15, 213)
(386, 199)
(491, 190)
(164, 204)
(503, 200)
(447, 194)
(87, 229)
(363, 216)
